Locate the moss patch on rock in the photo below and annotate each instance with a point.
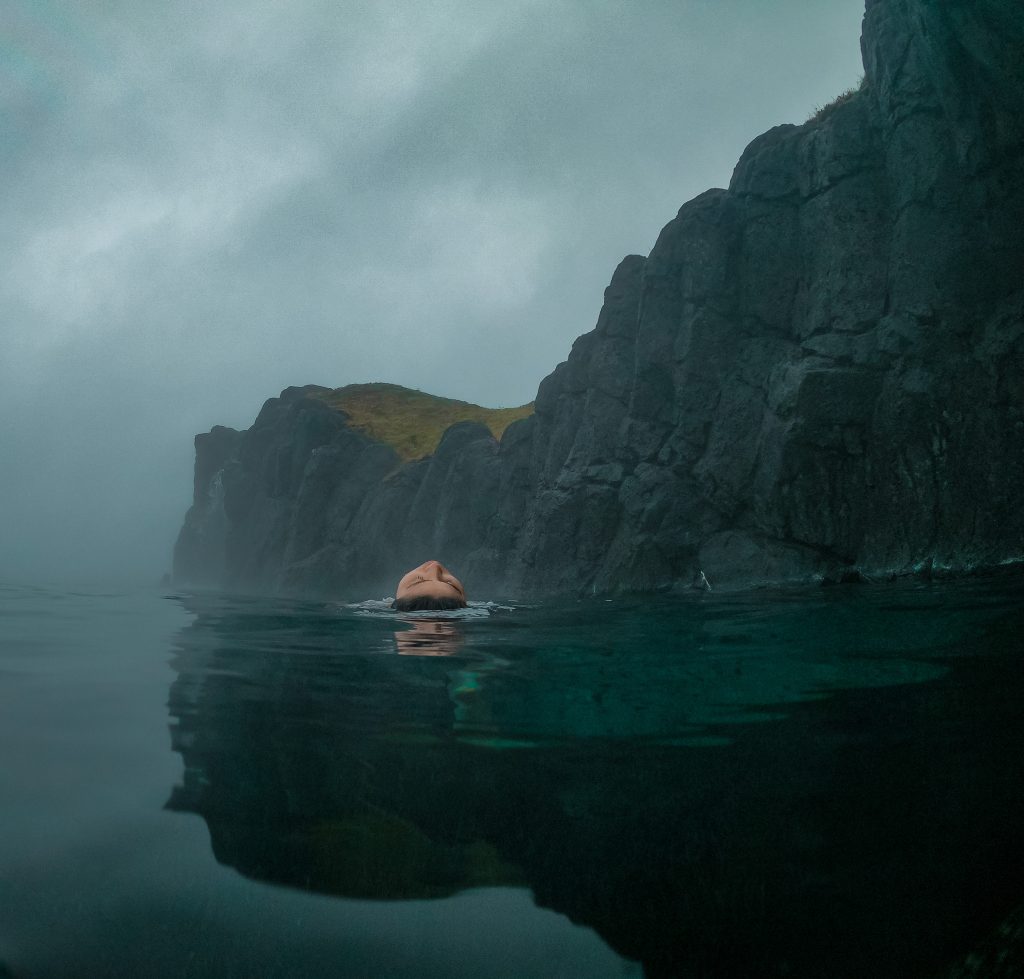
(412, 422)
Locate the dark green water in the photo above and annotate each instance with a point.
(818, 783)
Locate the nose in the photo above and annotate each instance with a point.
(437, 569)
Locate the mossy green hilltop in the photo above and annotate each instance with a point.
(412, 422)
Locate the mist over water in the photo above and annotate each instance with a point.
(800, 783)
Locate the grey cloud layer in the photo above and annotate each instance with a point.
(205, 203)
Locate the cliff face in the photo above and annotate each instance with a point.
(816, 371)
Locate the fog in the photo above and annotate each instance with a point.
(206, 203)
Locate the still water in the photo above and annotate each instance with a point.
(815, 783)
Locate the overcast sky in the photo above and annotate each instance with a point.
(204, 203)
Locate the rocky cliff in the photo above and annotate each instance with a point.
(818, 371)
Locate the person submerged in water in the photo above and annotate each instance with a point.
(430, 587)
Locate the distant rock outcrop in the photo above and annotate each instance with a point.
(817, 372)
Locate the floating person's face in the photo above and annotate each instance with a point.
(431, 586)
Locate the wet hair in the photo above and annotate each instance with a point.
(424, 603)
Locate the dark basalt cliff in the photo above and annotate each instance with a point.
(816, 372)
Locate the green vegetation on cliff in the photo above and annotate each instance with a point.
(821, 111)
(412, 422)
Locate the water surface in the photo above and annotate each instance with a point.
(815, 783)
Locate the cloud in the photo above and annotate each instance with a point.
(205, 203)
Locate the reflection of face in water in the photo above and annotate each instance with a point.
(443, 637)
(429, 637)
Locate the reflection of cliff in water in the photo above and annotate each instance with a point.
(837, 837)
